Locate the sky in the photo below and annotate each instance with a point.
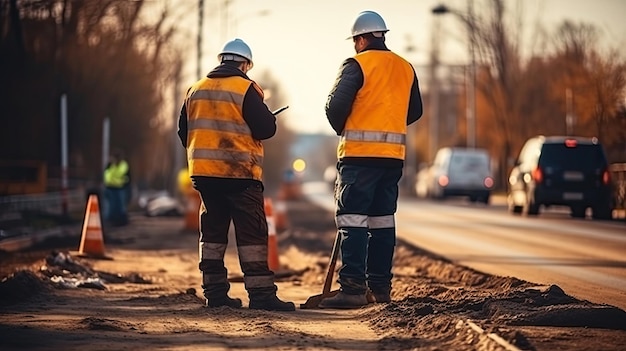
(302, 43)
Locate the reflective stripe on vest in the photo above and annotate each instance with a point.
(217, 95)
(224, 126)
(378, 137)
(204, 154)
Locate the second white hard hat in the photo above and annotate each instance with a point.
(236, 50)
(368, 22)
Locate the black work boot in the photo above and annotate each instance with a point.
(223, 301)
(344, 301)
(381, 297)
(271, 303)
(378, 296)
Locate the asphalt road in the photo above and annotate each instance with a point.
(586, 258)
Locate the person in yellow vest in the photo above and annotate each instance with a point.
(375, 97)
(116, 184)
(222, 122)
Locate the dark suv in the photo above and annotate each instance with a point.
(564, 171)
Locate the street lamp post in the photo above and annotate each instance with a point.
(470, 110)
(433, 92)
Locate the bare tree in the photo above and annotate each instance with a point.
(108, 59)
(596, 78)
(276, 159)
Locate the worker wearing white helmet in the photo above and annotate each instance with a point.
(221, 124)
(369, 22)
(236, 50)
(374, 99)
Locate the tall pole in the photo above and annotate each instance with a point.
(199, 42)
(106, 128)
(471, 80)
(569, 115)
(64, 152)
(434, 91)
(470, 72)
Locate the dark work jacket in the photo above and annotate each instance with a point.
(255, 113)
(341, 98)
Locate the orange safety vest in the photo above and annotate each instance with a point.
(376, 127)
(220, 143)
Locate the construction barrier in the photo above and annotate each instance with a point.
(273, 261)
(92, 238)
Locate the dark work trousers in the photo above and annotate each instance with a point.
(115, 208)
(243, 206)
(366, 200)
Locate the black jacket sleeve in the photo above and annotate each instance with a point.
(343, 93)
(182, 126)
(259, 118)
(415, 103)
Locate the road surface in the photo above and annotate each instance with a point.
(586, 258)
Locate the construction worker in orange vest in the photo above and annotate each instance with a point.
(222, 123)
(374, 99)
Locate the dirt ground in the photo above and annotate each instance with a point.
(148, 296)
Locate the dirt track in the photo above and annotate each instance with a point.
(152, 301)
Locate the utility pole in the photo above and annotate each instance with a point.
(433, 91)
(199, 42)
(471, 86)
(470, 23)
(64, 148)
(569, 115)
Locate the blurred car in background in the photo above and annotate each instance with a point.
(618, 177)
(457, 172)
(561, 171)
(423, 180)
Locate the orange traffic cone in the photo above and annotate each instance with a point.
(272, 243)
(282, 222)
(192, 211)
(92, 241)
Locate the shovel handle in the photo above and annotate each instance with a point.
(331, 266)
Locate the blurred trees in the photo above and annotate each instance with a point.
(276, 159)
(109, 60)
(519, 96)
(116, 59)
(596, 82)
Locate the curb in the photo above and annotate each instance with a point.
(488, 337)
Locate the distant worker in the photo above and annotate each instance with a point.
(375, 97)
(116, 188)
(221, 124)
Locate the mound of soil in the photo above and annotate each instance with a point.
(148, 297)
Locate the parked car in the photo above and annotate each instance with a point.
(564, 171)
(423, 181)
(458, 172)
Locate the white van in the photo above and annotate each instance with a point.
(461, 172)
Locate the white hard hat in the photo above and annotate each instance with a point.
(236, 50)
(368, 22)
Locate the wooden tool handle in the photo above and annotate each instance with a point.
(331, 266)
